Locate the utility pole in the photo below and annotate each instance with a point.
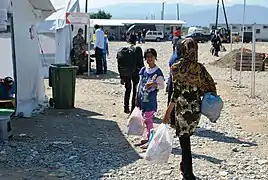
(86, 25)
(163, 10)
(178, 11)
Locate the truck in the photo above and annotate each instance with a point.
(199, 37)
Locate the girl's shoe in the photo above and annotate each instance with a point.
(145, 146)
(141, 143)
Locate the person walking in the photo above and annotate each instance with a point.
(143, 35)
(130, 62)
(139, 36)
(176, 37)
(216, 43)
(190, 81)
(105, 52)
(98, 47)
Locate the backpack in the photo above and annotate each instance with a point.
(126, 61)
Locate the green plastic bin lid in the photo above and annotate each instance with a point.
(6, 112)
(68, 66)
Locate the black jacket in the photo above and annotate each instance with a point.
(131, 66)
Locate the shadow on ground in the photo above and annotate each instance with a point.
(211, 159)
(221, 137)
(157, 120)
(110, 75)
(70, 138)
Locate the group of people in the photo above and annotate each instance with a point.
(79, 55)
(189, 82)
(101, 50)
(141, 36)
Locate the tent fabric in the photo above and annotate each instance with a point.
(42, 7)
(30, 84)
(3, 14)
(57, 19)
(56, 26)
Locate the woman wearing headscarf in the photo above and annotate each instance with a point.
(190, 81)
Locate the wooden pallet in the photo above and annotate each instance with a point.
(265, 66)
(247, 61)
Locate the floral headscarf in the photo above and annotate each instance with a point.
(188, 71)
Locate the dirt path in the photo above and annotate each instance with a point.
(89, 142)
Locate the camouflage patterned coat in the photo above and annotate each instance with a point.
(79, 56)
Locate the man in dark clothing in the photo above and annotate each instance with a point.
(129, 72)
(98, 47)
(216, 43)
(139, 36)
(143, 35)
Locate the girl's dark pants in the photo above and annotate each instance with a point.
(186, 162)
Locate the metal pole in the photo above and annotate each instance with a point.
(231, 49)
(178, 11)
(86, 6)
(163, 10)
(253, 61)
(89, 42)
(217, 15)
(14, 59)
(242, 46)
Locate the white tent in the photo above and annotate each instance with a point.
(29, 81)
(55, 37)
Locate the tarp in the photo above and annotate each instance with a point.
(55, 26)
(30, 84)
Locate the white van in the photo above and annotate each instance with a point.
(154, 36)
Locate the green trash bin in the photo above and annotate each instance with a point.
(62, 78)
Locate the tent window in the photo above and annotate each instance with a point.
(258, 31)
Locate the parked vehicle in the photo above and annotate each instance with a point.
(196, 29)
(248, 37)
(154, 36)
(199, 37)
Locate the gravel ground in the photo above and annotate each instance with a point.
(89, 142)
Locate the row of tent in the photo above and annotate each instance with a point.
(30, 16)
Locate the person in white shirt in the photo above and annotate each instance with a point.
(98, 47)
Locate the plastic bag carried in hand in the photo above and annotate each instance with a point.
(160, 147)
(211, 106)
(135, 123)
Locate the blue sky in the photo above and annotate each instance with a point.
(100, 3)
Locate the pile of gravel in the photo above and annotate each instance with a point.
(229, 59)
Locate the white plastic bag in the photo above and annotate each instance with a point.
(160, 147)
(135, 123)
